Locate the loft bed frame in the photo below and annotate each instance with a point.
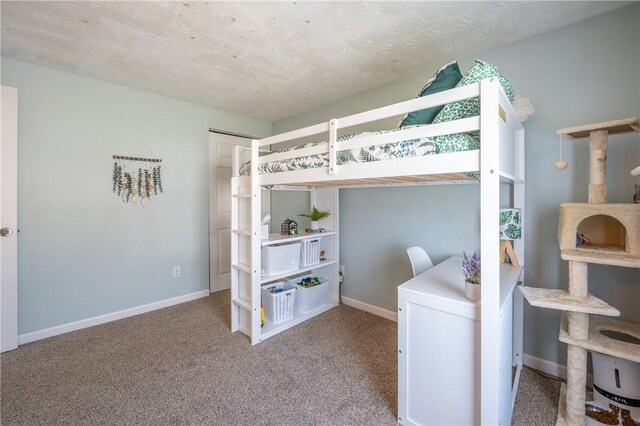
(500, 159)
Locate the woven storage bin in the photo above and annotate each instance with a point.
(309, 298)
(280, 258)
(278, 307)
(310, 253)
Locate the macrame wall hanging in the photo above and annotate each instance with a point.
(136, 179)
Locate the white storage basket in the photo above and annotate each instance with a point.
(310, 254)
(309, 298)
(280, 258)
(278, 307)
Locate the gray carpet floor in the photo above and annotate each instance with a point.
(182, 365)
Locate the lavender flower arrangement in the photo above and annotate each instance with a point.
(471, 268)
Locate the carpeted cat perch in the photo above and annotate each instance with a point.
(607, 234)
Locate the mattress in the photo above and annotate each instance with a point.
(394, 150)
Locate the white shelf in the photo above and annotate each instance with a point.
(246, 276)
(242, 267)
(244, 304)
(269, 329)
(278, 238)
(302, 270)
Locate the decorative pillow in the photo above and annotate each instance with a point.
(446, 78)
(470, 107)
(457, 143)
(467, 107)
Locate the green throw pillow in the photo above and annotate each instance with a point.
(470, 107)
(467, 108)
(446, 78)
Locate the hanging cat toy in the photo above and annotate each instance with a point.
(560, 164)
(136, 179)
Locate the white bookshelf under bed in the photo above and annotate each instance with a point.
(500, 159)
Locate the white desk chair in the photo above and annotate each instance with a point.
(420, 260)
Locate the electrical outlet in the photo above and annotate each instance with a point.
(177, 271)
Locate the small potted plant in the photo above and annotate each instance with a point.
(316, 216)
(471, 270)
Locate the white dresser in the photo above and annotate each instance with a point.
(439, 349)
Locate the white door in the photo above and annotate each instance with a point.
(220, 159)
(9, 220)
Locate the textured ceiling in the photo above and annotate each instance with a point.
(267, 60)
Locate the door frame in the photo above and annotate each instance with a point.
(9, 219)
(217, 136)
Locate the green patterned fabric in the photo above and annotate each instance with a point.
(445, 78)
(417, 147)
(467, 108)
(402, 149)
(510, 226)
(456, 143)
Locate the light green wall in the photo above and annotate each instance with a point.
(288, 205)
(83, 253)
(583, 73)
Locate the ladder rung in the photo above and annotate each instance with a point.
(242, 267)
(246, 232)
(241, 195)
(244, 304)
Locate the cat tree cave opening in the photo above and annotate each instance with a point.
(602, 232)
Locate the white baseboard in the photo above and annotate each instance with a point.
(381, 312)
(550, 368)
(113, 316)
(545, 366)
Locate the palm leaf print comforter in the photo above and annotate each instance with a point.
(402, 149)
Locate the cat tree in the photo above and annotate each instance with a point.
(613, 232)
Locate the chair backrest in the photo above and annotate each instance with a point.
(420, 260)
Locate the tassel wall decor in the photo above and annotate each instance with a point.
(136, 179)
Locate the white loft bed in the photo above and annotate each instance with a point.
(500, 159)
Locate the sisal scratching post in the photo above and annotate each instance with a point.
(578, 324)
(598, 134)
(576, 382)
(598, 140)
(578, 273)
